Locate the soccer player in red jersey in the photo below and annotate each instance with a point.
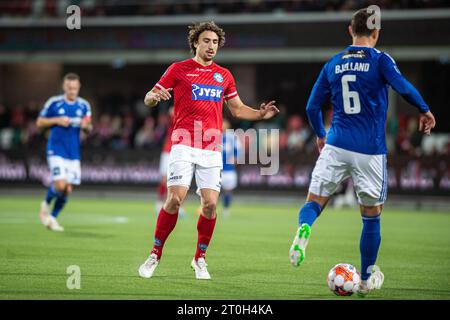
(199, 87)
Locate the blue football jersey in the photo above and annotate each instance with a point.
(357, 81)
(230, 151)
(65, 141)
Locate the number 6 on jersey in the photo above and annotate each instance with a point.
(347, 95)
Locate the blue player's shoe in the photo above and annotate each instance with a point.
(298, 248)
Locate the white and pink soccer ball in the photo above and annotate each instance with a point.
(343, 279)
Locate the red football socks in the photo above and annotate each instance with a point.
(205, 228)
(164, 225)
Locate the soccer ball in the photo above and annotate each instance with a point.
(343, 279)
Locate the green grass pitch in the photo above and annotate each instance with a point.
(248, 256)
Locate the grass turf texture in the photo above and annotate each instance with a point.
(248, 256)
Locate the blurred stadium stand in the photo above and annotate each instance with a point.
(275, 49)
(108, 8)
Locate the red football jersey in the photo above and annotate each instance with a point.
(198, 93)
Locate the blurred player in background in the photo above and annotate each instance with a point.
(65, 115)
(199, 86)
(231, 150)
(163, 163)
(357, 81)
(344, 195)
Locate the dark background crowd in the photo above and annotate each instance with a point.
(135, 126)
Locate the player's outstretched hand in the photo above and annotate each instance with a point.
(157, 95)
(426, 122)
(321, 143)
(63, 121)
(268, 110)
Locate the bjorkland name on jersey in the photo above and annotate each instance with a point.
(352, 66)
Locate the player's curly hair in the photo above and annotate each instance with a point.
(196, 29)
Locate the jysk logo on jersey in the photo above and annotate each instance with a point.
(218, 77)
(206, 92)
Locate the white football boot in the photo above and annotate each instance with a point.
(374, 282)
(148, 267)
(297, 252)
(53, 224)
(44, 213)
(199, 266)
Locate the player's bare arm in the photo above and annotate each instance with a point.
(241, 111)
(154, 96)
(43, 123)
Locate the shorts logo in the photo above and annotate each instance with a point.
(172, 178)
(206, 92)
(218, 77)
(56, 171)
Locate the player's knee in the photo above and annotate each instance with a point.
(320, 200)
(209, 207)
(371, 211)
(173, 202)
(60, 186)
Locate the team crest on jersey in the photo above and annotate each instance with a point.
(79, 112)
(218, 77)
(61, 111)
(206, 92)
